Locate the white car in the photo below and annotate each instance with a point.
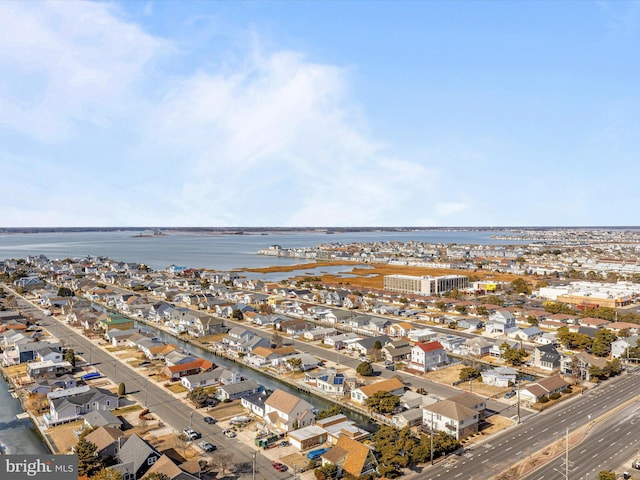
(229, 433)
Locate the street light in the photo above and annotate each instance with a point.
(146, 380)
(114, 369)
(190, 419)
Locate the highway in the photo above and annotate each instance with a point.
(168, 408)
(608, 445)
(502, 451)
(481, 461)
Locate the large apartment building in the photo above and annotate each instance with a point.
(426, 284)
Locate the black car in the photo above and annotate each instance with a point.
(210, 420)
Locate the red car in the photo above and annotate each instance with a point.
(281, 467)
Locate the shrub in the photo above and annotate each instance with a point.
(554, 396)
(568, 390)
(543, 400)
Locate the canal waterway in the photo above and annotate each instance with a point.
(17, 436)
(267, 381)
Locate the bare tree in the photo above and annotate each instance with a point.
(222, 460)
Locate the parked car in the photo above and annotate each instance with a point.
(636, 464)
(206, 446)
(510, 394)
(191, 434)
(210, 420)
(281, 467)
(229, 433)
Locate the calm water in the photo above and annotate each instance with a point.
(219, 252)
(16, 436)
(264, 380)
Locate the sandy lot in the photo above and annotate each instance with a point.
(62, 437)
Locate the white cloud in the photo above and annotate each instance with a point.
(274, 139)
(67, 62)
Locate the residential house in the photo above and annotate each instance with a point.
(477, 346)
(408, 418)
(46, 385)
(472, 324)
(352, 457)
(543, 388)
(422, 335)
(260, 356)
(379, 325)
(526, 334)
(579, 365)
(545, 357)
(106, 441)
(500, 322)
(620, 347)
(451, 417)
(102, 418)
(168, 467)
(328, 381)
(452, 343)
(397, 351)
(499, 377)
(135, 457)
(366, 346)
(287, 412)
(400, 329)
(338, 425)
(255, 403)
(73, 407)
(48, 369)
(116, 321)
(319, 333)
(392, 385)
(237, 390)
(472, 401)
(307, 437)
(617, 327)
(191, 368)
(427, 356)
(217, 376)
(341, 340)
(119, 338)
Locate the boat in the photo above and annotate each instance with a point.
(240, 419)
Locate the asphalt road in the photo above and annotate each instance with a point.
(172, 411)
(517, 443)
(609, 444)
(443, 391)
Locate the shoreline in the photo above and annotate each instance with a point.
(14, 389)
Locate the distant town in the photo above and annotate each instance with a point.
(423, 361)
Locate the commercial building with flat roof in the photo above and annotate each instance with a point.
(425, 284)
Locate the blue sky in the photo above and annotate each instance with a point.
(319, 113)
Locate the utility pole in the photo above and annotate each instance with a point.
(431, 438)
(146, 380)
(518, 401)
(114, 370)
(190, 419)
(253, 462)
